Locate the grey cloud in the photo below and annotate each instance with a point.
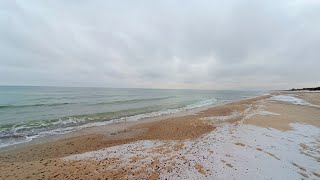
(160, 44)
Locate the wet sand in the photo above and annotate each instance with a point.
(159, 148)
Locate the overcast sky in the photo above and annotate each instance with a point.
(213, 44)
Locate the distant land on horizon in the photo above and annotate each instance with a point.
(306, 89)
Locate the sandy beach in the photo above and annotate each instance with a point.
(273, 136)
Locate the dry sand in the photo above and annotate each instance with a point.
(288, 113)
(45, 161)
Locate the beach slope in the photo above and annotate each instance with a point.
(272, 136)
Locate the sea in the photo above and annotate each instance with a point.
(29, 112)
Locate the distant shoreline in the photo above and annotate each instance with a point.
(305, 89)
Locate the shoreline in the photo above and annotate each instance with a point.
(110, 130)
(101, 149)
(114, 127)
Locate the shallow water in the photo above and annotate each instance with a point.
(31, 112)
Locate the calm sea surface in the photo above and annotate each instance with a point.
(31, 112)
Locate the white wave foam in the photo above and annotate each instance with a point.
(138, 117)
(202, 103)
(11, 142)
(73, 120)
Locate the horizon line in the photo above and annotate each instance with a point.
(54, 86)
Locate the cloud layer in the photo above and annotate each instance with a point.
(234, 44)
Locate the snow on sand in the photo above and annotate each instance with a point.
(237, 151)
